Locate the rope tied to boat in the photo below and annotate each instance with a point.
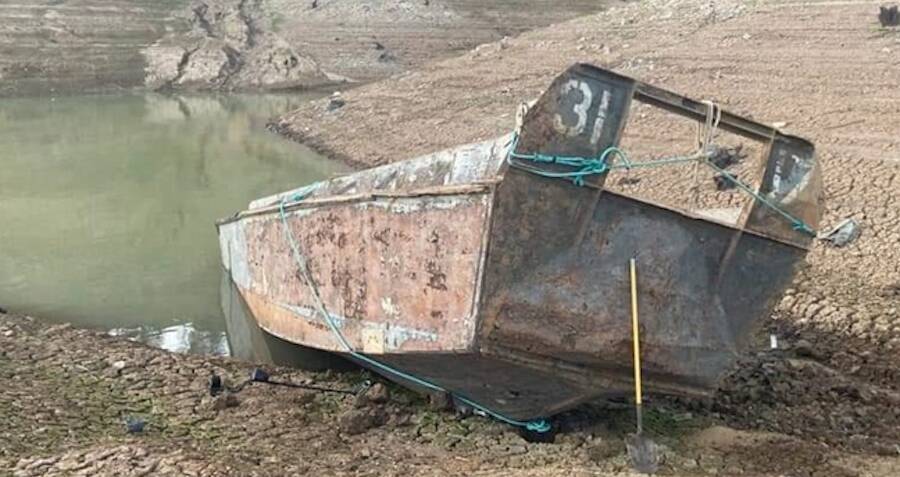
(537, 425)
(583, 167)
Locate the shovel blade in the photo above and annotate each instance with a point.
(643, 453)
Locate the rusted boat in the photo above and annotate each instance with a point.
(498, 271)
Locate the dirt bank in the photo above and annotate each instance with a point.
(274, 44)
(54, 47)
(73, 46)
(67, 392)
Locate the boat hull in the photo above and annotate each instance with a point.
(509, 287)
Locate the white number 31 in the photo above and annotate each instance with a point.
(580, 109)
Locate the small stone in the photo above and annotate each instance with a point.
(440, 401)
(334, 104)
(224, 401)
(357, 421)
(604, 449)
(746, 36)
(804, 349)
(378, 393)
(779, 124)
(118, 365)
(134, 425)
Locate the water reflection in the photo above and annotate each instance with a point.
(182, 338)
(107, 205)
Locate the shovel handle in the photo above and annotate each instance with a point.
(635, 333)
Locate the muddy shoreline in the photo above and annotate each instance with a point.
(68, 393)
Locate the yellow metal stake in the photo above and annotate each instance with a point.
(635, 334)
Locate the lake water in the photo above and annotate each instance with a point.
(108, 205)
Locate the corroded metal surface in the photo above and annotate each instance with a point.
(396, 275)
(509, 287)
(472, 163)
(566, 299)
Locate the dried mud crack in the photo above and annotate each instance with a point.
(63, 405)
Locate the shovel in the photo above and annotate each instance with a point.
(642, 451)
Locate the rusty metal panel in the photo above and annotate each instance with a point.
(581, 113)
(471, 163)
(791, 180)
(558, 290)
(396, 274)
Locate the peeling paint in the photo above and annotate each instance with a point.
(233, 249)
(312, 315)
(464, 165)
(390, 310)
(393, 336)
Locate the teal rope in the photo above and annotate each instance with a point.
(796, 223)
(587, 166)
(539, 425)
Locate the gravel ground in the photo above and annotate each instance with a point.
(67, 393)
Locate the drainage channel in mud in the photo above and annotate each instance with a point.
(108, 204)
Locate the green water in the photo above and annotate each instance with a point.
(108, 204)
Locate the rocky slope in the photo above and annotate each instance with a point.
(277, 44)
(68, 46)
(53, 46)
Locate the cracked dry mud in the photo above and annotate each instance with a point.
(63, 404)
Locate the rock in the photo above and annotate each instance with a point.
(163, 64)
(604, 450)
(224, 401)
(134, 425)
(375, 394)
(335, 104)
(378, 393)
(805, 349)
(118, 365)
(357, 421)
(440, 401)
